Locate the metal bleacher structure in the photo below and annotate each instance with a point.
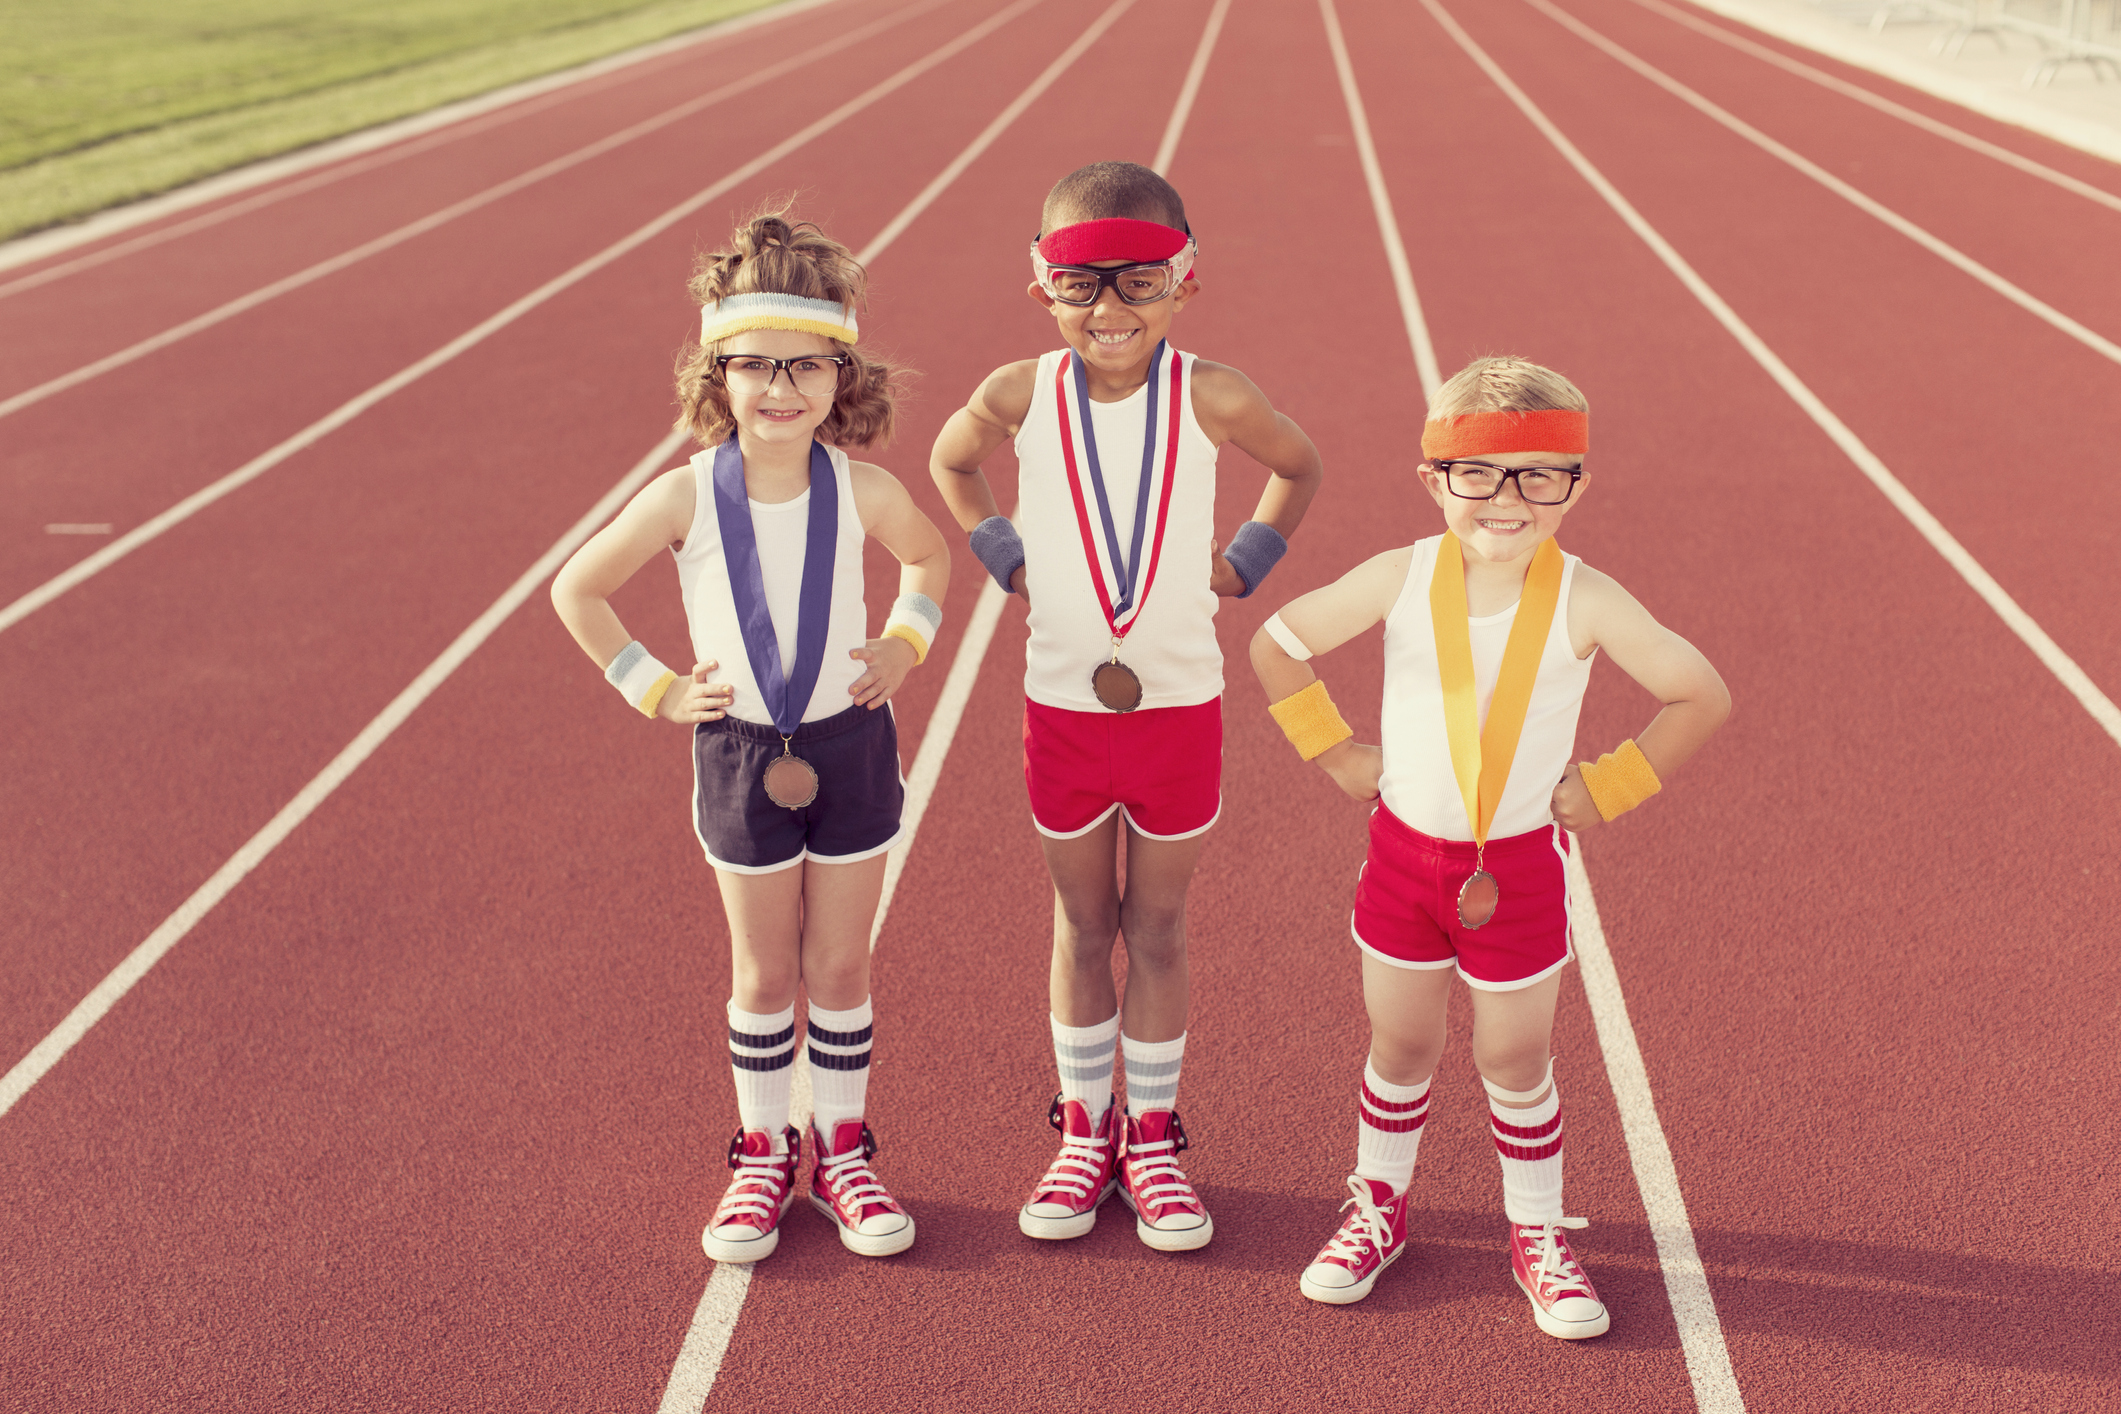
(2069, 32)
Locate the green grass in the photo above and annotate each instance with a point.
(104, 101)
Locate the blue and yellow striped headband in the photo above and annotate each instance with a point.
(738, 313)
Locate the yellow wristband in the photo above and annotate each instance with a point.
(1620, 780)
(908, 633)
(653, 698)
(1311, 721)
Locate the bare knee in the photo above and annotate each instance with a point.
(1518, 1066)
(1155, 933)
(1404, 1060)
(763, 984)
(1083, 931)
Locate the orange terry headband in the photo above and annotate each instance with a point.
(1486, 433)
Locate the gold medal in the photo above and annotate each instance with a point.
(791, 782)
(1481, 756)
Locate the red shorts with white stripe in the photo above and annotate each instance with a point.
(1162, 767)
(1406, 904)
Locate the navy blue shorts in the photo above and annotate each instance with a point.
(859, 792)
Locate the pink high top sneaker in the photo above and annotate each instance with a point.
(746, 1225)
(1370, 1239)
(1082, 1176)
(842, 1187)
(1167, 1213)
(1563, 1302)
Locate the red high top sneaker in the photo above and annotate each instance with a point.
(1563, 1302)
(1081, 1177)
(747, 1222)
(1370, 1239)
(870, 1221)
(1167, 1213)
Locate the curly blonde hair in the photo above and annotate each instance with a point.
(1505, 383)
(772, 254)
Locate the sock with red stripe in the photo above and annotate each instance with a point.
(1528, 1141)
(1389, 1135)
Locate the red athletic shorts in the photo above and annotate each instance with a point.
(1406, 904)
(1161, 766)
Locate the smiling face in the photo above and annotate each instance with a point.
(1508, 528)
(778, 414)
(1113, 338)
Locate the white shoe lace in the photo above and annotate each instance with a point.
(1364, 1228)
(1555, 1269)
(1158, 1165)
(1080, 1163)
(848, 1178)
(744, 1199)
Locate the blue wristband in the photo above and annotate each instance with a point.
(999, 548)
(1254, 551)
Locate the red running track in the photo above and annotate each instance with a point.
(426, 1114)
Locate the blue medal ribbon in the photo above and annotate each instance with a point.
(1126, 571)
(786, 696)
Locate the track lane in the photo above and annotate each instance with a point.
(1823, 935)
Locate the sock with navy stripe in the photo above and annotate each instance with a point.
(1084, 1055)
(1528, 1141)
(1388, 1138)
(761, 1050)
(839, 1063)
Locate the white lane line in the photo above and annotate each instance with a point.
(346, 412)
(1373, 176)
(122, 978)
(2075, 679)
(401, 138)
(1886, 105)
(1952, 255)
(434, 220)
(1167, 148)
(1686, 1282)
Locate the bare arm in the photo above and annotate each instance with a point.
(660, 516)
(890, 517)
(1323, 620)
(997, 409)
(1231, 409)
(1603, 615)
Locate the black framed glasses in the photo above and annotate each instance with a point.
(1483, 481)
(1081, 285)
(812, 375)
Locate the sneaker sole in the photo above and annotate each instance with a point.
(1348, 1295)
(1185, 1239)
(1560, 1329)
(1061, 1229)
(862, 1244)
(755, 1250)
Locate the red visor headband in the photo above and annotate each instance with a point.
(1490, 433)
(1113, 238)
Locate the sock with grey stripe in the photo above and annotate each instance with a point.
(1152, 1073)
(839, 1063)
(1084, 1054)
(761, 1050)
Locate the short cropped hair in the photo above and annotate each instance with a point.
(1505, 383)
(1106, 189)
(772, 254)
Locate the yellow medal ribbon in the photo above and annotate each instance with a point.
(1481, 757)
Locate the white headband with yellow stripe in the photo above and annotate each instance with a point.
(738, 313)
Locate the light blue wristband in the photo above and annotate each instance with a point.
(1253, 552)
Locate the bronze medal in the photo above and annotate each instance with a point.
(1477, 899)
(1116, 686)
(791, 782)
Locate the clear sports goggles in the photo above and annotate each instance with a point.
(1081, 285)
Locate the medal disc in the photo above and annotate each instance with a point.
(1477, 899)
(791, 782)
(1116, 686)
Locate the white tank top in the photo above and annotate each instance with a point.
(1419, 785)
(782, 531)
(1171, 645)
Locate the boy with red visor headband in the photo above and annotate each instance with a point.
(1114, 547)
(1489, 635)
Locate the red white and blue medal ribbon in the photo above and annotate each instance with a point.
(790, 781)
(1123, 576)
